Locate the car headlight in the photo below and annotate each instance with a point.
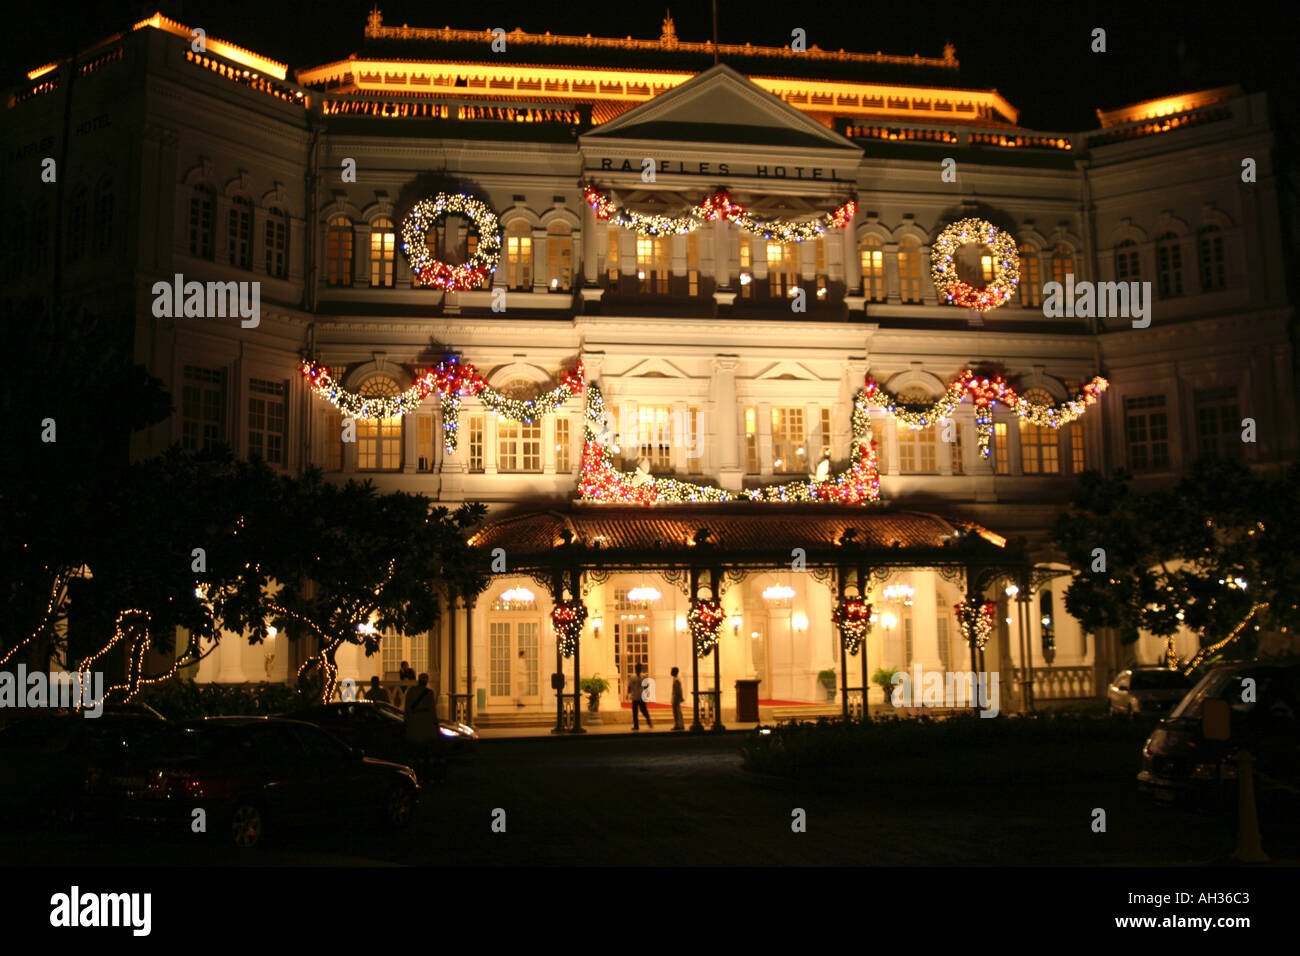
(446, 732)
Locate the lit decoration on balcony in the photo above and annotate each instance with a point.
(643, 595)
(1005, 265)
(567, 618)
(852, 615)
(778, 592)
(984, 392)
(975, 620)
(601, 481)
(433, 272)
(718, 206)
(451, 380)
(705, 620)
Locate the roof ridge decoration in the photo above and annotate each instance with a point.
(600, 481)
(668, 40)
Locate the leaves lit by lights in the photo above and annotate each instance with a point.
(568, 618)
(1004, 262)
(705, 620)
(975, 621)
(433, 272)
(852, 615)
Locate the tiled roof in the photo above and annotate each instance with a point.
(743, 530)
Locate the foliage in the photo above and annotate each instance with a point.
(827, 676)
(884, 679)
(593, 685)
(186, 700)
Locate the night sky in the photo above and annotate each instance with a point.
(1036, 54)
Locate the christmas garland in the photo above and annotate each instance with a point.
(451, 379)
(853, 617)
(717, 206)
(601, 481)
(984, 392)
(567, 618)
(705, 621)
(1006, 265)
(432, 272)
(975, 620)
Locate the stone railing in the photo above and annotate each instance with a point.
(1059, 683)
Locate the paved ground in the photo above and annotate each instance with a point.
(663, 799)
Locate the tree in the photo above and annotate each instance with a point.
(1216, 554)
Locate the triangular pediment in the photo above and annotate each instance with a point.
(787, 370)
(720, 106)
(654, 368)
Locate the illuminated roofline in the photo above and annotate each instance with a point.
(1166, 106)
(236, 54)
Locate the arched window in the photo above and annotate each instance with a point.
(559, 257)
(1062, 263)
(379, 440)
(104, 216)
(909, 269)
(918, 452)
(203, 211)
(872, 251)
(277, 243)
(1169, 266)
(338, 252)
(782, 269)
(383, 251)
(1031, 277)
(1209, 255)
(519, 256)
(76, 244)
(239, 236)
(1039, 445)
(1128, 266)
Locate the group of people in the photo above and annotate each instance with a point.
(418, 702)
(639, 692)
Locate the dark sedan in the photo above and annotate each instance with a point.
(248, 773)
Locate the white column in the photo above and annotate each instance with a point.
(764, 425)
(925, 630)
(232, 658)
(548, 445)
(590, 245)
(489, 443)
(730, 473)
(852, 261)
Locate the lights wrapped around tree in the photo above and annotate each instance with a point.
(568, 618)
(984, 392)
(852, 615)
(1005, 261)
(718, 206)
(432, 272)
(705, 620)
(599, 480)
(975, 621)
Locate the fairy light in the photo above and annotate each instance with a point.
(853, 617)
(717, 206)
(1005, 262)
(975, 620)
(429, 271)
(705, 620)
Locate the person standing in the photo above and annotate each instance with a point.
(421, 718)
(406, 672)
(637, 692)
(678, 697)
(376, 692)
(521, 679)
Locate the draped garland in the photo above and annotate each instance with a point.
(975, 620)
(717, 206)
(984, 392)
(852, 615)
(601, 481)
(451, 379)
(705, 621)
(567, 618)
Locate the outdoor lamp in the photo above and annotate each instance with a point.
(799, 622)
(595, 627)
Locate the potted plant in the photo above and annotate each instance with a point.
(827, 679)
(884, 679)
(593, 687)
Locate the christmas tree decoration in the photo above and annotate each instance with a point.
(599, 480)
(452, 379)
(568, 618)
(984, 392)
(705, 621)
(718, 206)
(975, 621)
(432, 272)
(1004, 263)
(852, 615)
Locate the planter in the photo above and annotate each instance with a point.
(592, 716)
(830, 690)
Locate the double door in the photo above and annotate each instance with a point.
(510, 677)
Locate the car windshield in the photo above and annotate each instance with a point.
(1158, 680)
(1224, 683)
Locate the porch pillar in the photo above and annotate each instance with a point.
(451, 657)
(925, 628)
(469, 659)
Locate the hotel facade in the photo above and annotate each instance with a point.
(727, 355)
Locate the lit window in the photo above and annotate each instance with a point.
(746, 278)
(655, 437)
(563, 443)
(825, 431)
(789, 447)
(694, 462)
(1039, 445)
(379, 440)
(873, 268)
(519, 446)
(239, 234)
(918, 453)
(693, 264)
(1078, 459)
(1001, 454)
(613, 266)
(751, 441)
(782, 269)
(338, 252)
(519, 256)
(383, 249)
(909, 269)
(652, 262)
(1031, 279)
(1062, 263)
(476, 443)
(559, 257)
(1169, 265)
(958, 452)
(424, 442)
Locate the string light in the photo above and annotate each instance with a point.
(975, 620)
(1005, 262)
(717, 206)
(853, 617)
(705, 619)
(567, 618)
(433, 272)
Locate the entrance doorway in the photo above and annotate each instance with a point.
(506, 638)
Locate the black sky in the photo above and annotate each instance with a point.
(1036, 53)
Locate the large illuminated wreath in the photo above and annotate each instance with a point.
(1006, 265)
(430, 271)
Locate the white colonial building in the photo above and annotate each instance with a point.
(220, 166)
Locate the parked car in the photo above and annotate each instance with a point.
(1180, 764)
(44, 758)
(380, 729)
(1146, 691)
(249, 773)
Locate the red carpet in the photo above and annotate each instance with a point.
(788, 703)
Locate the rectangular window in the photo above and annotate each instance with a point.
(476, 443)
(562, 445)
(695, 459)
(1001, 455)
(782, 269)
(825, 450)
(519, 446)
(654, 437)
(958, 452)
(789, 448)
(751, 441)
(1218, 422)
(1039, 450)
(333, 441)
(379, 443)
(917, 453)
(692, 264)
(519, 262)
(239, 234)
(499, 659)
(203, 408)
(909, 273)
(424, 431)
(941, 626)
(652, 263)
(819, 266)
(746, 278)
(1031, 286)
(612, 265)
(1169, 267)
(202, 213)
(267, 415)
(873, 272)
(383, 263)
(907, 639)
(1078, 459)
(277, 243)
(1210, 258)
(1147, 432)
(559, 261)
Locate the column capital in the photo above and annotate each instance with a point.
(726, 363)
